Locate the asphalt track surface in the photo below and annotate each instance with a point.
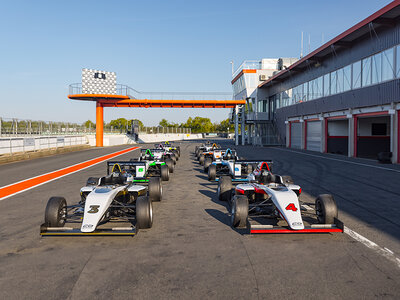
(191, 252)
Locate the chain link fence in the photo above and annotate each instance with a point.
(11, 127)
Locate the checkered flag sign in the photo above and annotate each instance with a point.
(99, 82)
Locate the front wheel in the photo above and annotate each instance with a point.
(170, 165)
(212, 172)
(240, 211)
(144, 213)
(201, 159)
(155, 189)
(224, 188)
(326, 209)
(164, 173)
(56, 212)
(207, 163)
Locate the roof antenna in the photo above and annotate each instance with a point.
(301, 51)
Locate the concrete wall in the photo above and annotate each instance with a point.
(10, 145)
(122, 139)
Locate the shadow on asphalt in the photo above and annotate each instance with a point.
(202, 177)
(213, 197)
(219, 215)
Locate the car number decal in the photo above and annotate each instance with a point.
(94, 209)
(291, 207)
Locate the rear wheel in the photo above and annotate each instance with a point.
(92, 181)
(164, 173)
(224, 188)
(176, 153)
(199, 153)
(144, 213)
(326, 209)
(239, 211)
(56, 212)
(286, 179)
(170, 165)
(212, 172)
(173, 157)
(207, 163)
(201, 159)
(155, 189)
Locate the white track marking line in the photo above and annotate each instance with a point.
(336, 159)
(382, 251)
(389, 254)
(32, 187)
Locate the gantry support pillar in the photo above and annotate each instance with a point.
(99, 124)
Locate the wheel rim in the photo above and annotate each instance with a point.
(62, 215)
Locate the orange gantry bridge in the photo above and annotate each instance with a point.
(128, 97)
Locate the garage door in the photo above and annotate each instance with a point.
(314, 135)
(295, 138)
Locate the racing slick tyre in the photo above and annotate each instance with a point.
(155, 189)
(196, 149)
(207, 163)
(56, 212)
(199, 153)
(224, 188)
(164, 173)
(170, 165)
(239, 211)
(173, 158)
(286, 179)
(326, 209)
(175, 152)
(201, 159)
(212, 172)
(92, 181)
(144, 213)
(179, 150)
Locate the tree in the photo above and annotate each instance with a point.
(118, 123)
(140, 122)
(89, 124)
(224, 126)
(164, 123)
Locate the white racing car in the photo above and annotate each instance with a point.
(269, 203)
(106, 201)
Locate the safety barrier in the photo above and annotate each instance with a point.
(11, 145)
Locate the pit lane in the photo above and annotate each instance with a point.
(191, 251)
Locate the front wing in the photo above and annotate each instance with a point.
(313, 228)
(70, 231)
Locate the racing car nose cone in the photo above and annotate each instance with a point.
(297, 225)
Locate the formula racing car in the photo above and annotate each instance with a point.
(269, 203)
(106, 201)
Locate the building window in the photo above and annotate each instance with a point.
(346, 78)
(356, 75)
(339, 81)
(333, 82)
(398, 61)
(376, 68)
(387, 64)
(366, 71)
(319, 87)
(327, 81)
(378, 129)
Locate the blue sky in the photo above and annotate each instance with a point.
(152, 46)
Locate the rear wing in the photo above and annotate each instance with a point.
(261, 163)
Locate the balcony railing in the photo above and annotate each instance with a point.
(246, 65)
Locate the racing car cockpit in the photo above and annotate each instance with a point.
(228, 154)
